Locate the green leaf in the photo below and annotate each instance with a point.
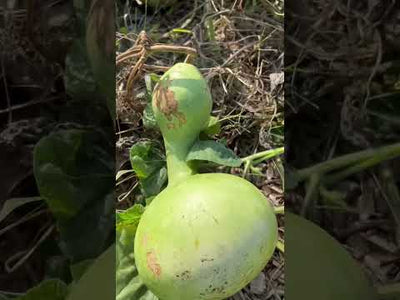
(68, 164)
(78, 78)
(144, 159)
(153, 184)
(149, 165)
(128, 284)
(129, 217)
(214, 152)
(98, 281)
(213, 127)
(53, 289)
(149, 121)
(12, 204)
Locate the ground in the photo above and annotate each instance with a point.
(342, 84)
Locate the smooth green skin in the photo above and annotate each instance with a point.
(207, 235)
(96, 282)
(191, 102)
(318, 267)
(205, 238)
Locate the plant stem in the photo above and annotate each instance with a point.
(280, 246)
(177, 167)
(372, 155)
(311, 193)
(279, 210)
(263, 155)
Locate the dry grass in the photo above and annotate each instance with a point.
(240, 53)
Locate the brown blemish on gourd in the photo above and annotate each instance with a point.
(167, 104)
(171, 126)
(185, 275)
(153, 264)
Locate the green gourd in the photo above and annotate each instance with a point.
(318, 267)
(206, 235)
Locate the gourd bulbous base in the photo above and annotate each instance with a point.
(205, 238)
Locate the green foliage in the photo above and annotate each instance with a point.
(128, 284)
(214, 152)
(149, 165)
(49, 289)
(67, 165)
(213, 127)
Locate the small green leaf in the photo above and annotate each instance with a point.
(213, 127)
(214, 152)
(149, 121)
(50, 289)
(153, 184)
(130, 217)
(128, 284)
(145, 160)
(123, 30)
(149, 166)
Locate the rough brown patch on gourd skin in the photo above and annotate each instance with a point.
(153, 264)
(167, 104)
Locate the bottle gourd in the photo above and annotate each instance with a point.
(205, 236)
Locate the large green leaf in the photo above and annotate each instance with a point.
(214, 152)
(129, 285)
(50, 289)
(74, 171)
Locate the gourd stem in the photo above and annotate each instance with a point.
(177, 166)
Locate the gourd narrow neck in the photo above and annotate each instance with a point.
(178, 168)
